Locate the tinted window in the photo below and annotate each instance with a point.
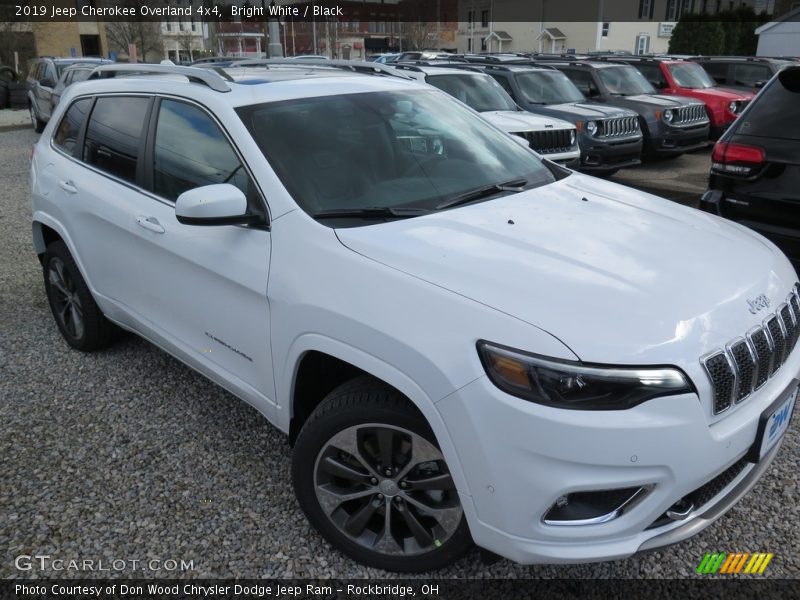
(652, 73)
(410, 149)
(505, 84)
(625, 81)
(776, 110)
(68, 130)
(114, 135)
(719, 71)
(548, 87)
(749, 75)
(583, 81)
(191, 151)
(479, 92)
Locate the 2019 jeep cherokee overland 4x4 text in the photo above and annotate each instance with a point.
(463, 341)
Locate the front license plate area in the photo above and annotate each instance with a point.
(773, 424)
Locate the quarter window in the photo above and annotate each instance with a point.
(750, 75)
(70, 127)
(114, 134)
(191, 151)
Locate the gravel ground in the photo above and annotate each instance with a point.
(127, 454)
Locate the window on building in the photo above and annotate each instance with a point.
(672, 11)
(180, 24)
(471, 17)
(169, 26)
(484, 18)
(483, 44)
(642, 43)
(605, 28)
(469, 44)
(646, 9)
(114, 134)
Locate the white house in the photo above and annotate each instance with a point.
(781, 37)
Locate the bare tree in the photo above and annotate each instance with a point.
(186, 43)
(16, 36)
(145, 34)
(420, 35)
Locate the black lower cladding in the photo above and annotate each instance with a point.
(706, 492)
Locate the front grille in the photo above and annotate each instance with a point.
(622, 126)
(549, 141)
(706, 492)
(690, 115)
(747, 363)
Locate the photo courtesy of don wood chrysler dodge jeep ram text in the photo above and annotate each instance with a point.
(465, 343)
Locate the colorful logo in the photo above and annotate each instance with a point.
(739, 562)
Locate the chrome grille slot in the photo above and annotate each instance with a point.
(722, 378)
(747, 363)
(695, 113)
(776, 335)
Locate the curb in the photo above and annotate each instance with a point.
(4, 128)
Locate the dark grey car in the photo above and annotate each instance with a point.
(70, 75)
(671, 125)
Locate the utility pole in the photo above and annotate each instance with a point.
(275, 47)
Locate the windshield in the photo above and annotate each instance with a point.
(625, 81)
(548, 87)
(377, 150)
(479, 92)
(691, 75)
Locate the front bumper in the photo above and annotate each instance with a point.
(601, 155)
(675, 140)
(519, 458)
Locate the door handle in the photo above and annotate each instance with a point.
(149, 223)
(67, 186)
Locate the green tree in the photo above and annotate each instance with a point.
(697, 34)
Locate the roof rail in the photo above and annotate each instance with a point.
(357, 66)
(213, 78)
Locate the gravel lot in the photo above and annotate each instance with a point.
(128, 454)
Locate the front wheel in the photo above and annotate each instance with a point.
(370, 478)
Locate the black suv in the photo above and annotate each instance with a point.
(755, 171)
(748, 73)
(43, 73)
(671, 125)
(609, 137)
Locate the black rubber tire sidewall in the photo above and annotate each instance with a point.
(364, 400)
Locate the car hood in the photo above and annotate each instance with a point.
(515, 121)
(654, 101)
(721, 93)
(619, 276)
(590, 111)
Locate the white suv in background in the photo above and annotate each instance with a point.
(554, 139)
(464, 342)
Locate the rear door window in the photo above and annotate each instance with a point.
(717, 70)
(114, 135)
(749, 75)
(775, 112)
(69, 129)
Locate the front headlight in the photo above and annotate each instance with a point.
(572, 137)
(732, 106)
(669, 114)
(575, 385)
(591, 127)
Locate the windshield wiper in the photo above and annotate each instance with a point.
(371, 212)
(515, 185)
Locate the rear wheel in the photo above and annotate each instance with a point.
(369, 476)
(78, 317)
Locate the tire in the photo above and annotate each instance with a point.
(38, 124)
(77, 315)
(343, 449)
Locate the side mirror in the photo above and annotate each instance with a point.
(218, 204)
(660, 84)
(759, 84)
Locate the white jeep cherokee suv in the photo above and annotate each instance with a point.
(463, 342)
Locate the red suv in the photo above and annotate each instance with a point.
(686, 78)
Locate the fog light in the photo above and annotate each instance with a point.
(594, 507)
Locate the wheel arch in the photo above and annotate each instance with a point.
(43, 236)
(303, 395)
